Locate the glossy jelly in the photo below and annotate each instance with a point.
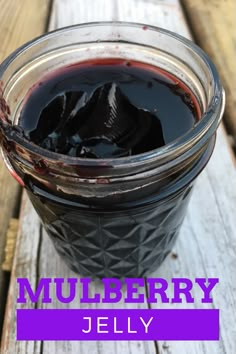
(107, 108)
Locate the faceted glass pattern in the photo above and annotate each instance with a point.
(128, 243)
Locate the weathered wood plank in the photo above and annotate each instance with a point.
(24, 265)
(20, 21)
(157, 12)
(213, 25)
(207, 248)
(204, 247)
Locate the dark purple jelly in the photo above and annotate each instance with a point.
(110, 109)
(107, 108)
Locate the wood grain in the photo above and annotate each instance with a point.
(206, 246)
(213, 25)
(20, 21)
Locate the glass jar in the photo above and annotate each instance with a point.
(110, 217)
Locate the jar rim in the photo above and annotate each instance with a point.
(202, 130)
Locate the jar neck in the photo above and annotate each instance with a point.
(134, 195)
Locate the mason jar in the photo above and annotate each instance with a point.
(114, 217)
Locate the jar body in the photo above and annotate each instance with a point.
(128, 243)
(110, 217)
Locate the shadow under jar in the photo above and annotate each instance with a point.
(114, 215)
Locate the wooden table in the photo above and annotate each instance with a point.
(210, 250)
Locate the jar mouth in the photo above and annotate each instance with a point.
(183, 145)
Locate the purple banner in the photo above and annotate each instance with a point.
(124, 324)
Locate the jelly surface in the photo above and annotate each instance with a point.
(107, 108)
